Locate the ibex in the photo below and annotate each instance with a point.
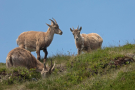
(36, 41)
(86, 42)
(23, 57)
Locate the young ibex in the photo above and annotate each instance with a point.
(86, 42)
(23, 57)
(36, 41)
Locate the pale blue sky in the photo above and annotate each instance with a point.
(113, 20)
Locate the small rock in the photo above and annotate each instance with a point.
(34, 79)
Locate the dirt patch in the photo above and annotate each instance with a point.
(115, 63)
(121, 61)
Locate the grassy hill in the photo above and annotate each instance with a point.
(110, 68)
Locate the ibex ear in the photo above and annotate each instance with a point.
(71, 30)
(48, 25)
(43, 73)
(80, 29)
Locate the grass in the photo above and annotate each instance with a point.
(96, 70)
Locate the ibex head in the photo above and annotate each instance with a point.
(76, 32)
(54, 26)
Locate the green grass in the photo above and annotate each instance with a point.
(88, 71)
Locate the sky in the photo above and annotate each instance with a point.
(113, 20)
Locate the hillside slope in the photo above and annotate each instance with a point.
(107, 68)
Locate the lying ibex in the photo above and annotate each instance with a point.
(36, 41)
(86, 42)
(23, 57)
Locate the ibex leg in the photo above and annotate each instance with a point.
(38, 53)
(46, 53)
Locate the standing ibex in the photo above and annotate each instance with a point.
(23, 57)
(86, 42)
(36, 41)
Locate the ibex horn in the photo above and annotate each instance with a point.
(52, 67)
(54, 20)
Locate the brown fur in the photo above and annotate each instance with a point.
(86, 42)
(92, 40)
(36, 41)
(23, 57)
